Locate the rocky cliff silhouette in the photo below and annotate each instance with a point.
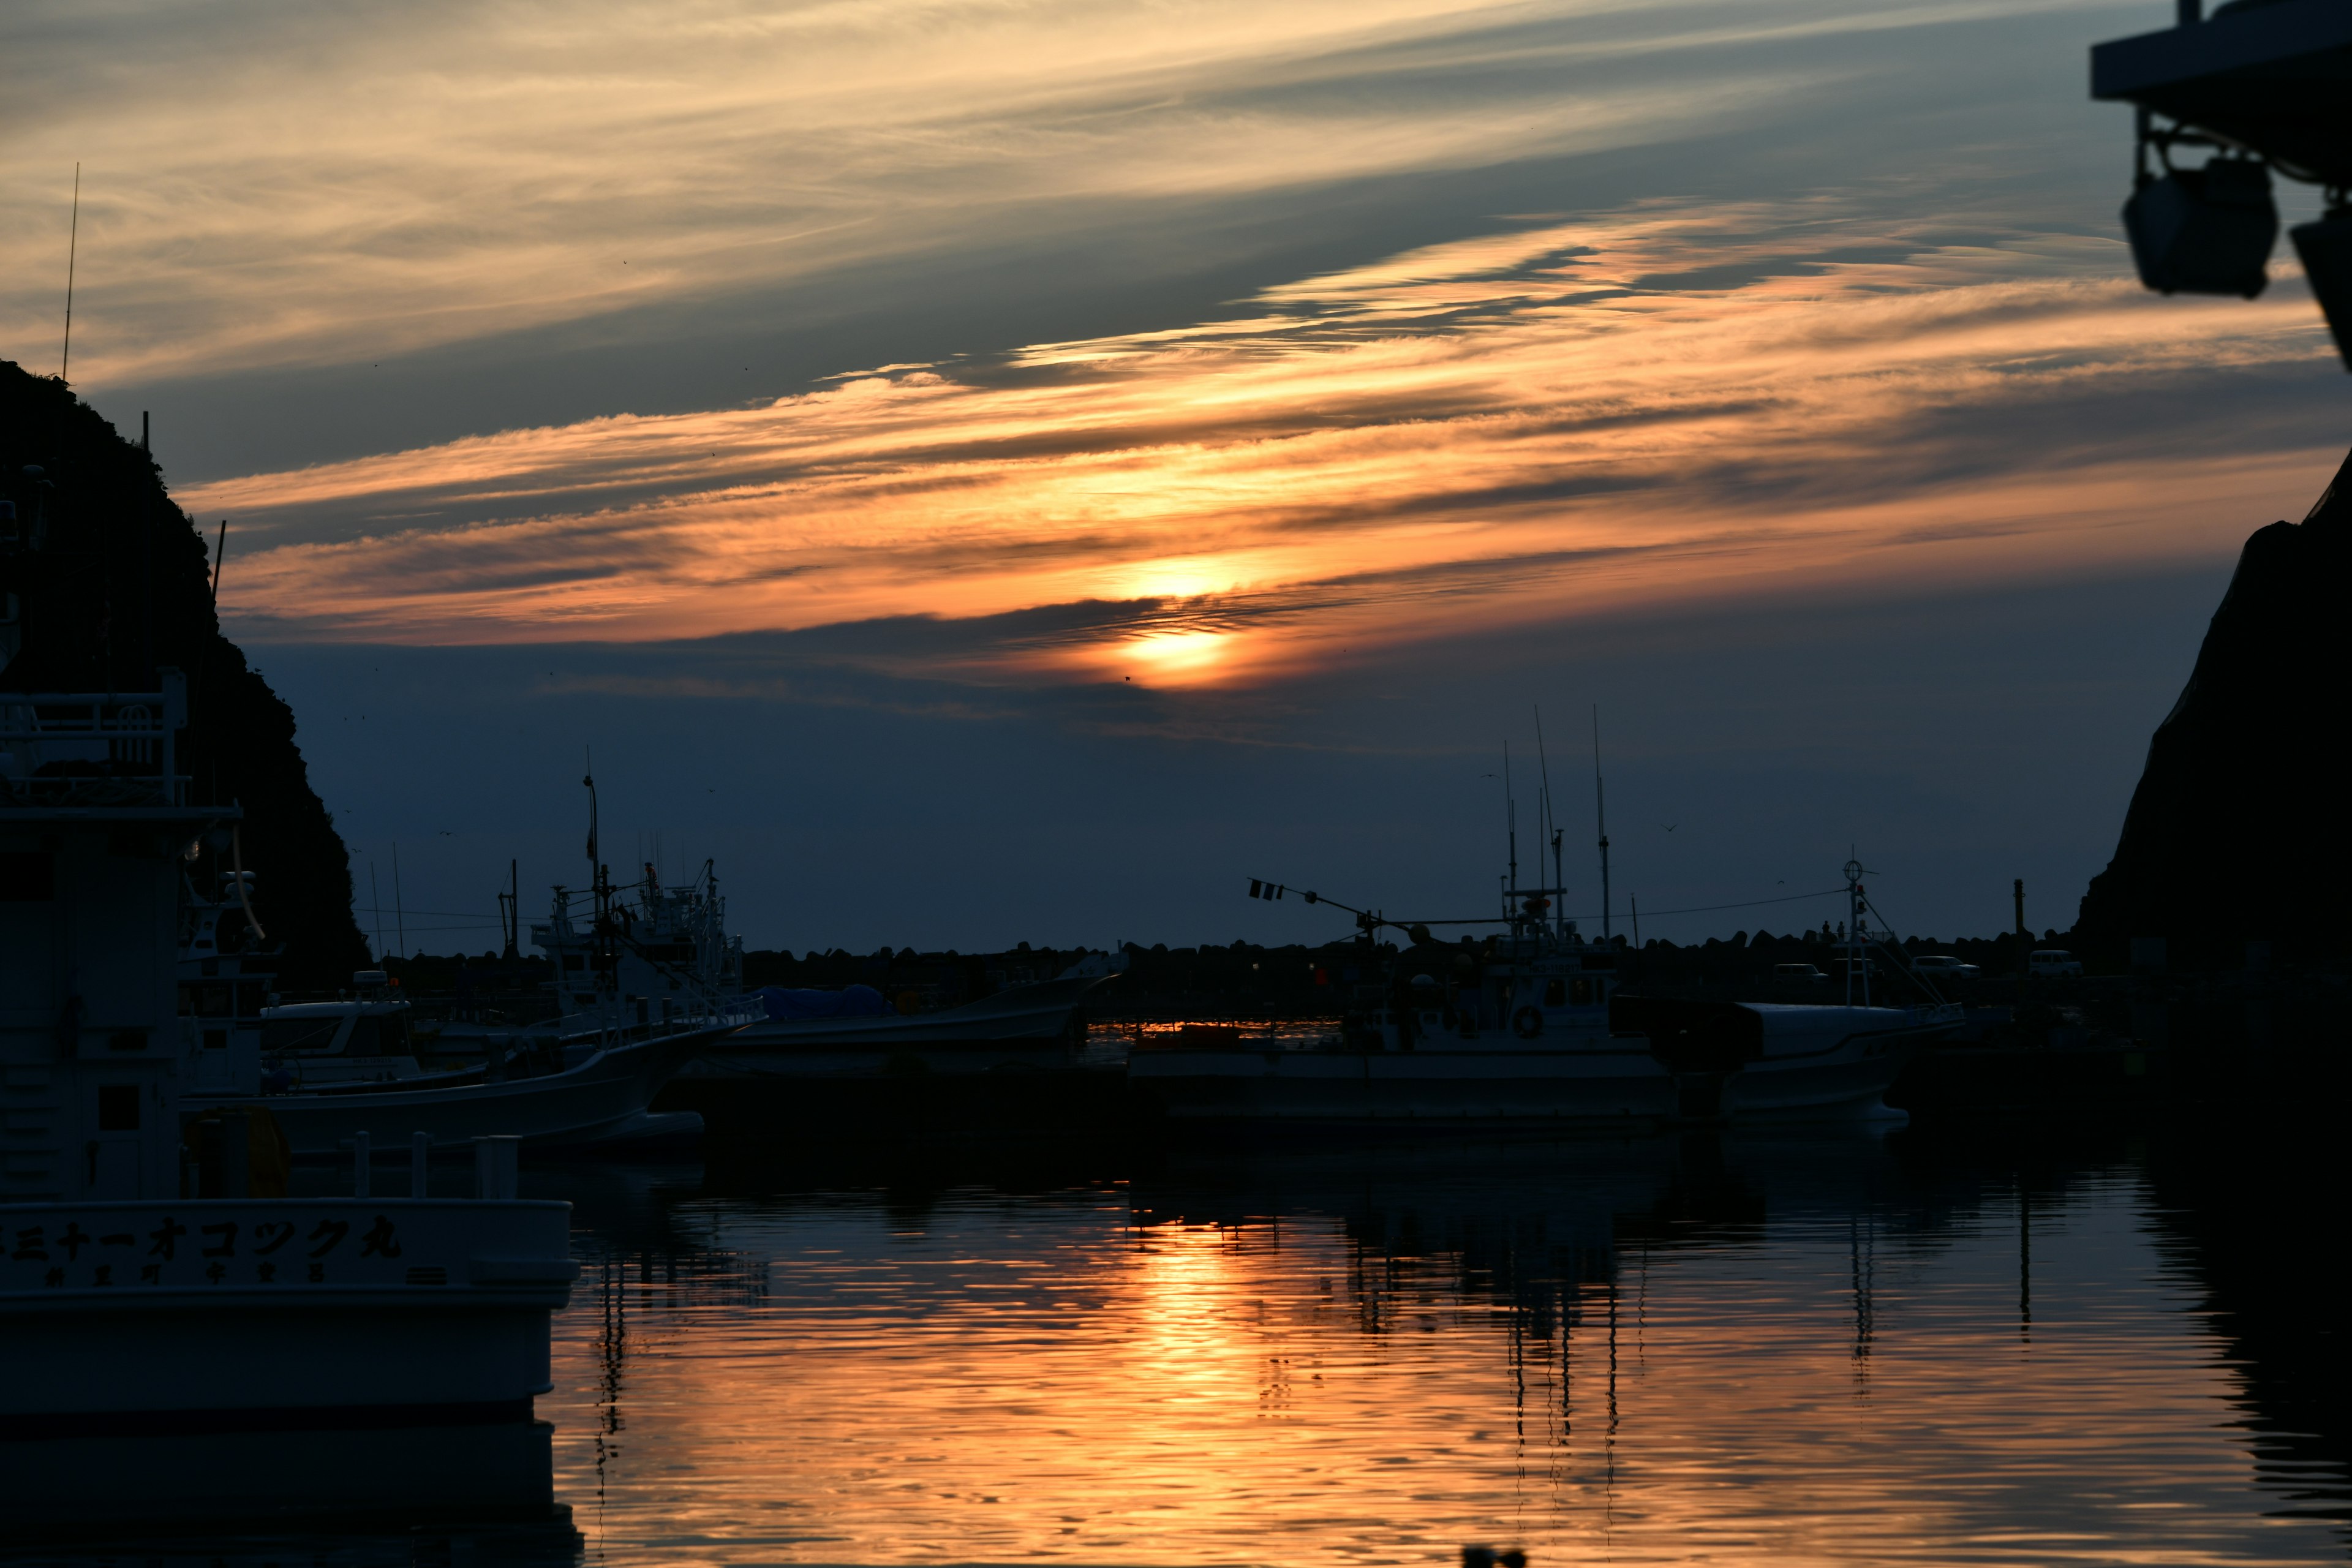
(2237, 831)
(120, 585)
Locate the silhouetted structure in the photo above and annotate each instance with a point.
(111, 581)
(2237, 831)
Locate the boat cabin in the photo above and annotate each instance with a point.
(367, 1037)
(95, 826)
(1534, 989)
(664, 952)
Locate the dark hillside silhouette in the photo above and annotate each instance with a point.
(2238, 830)
(120, 585)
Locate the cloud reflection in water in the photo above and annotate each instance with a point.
(1623, 1349)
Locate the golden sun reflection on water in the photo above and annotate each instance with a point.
(1083, 1376)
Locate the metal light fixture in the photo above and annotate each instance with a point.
(2267, 86)
(2204, 231)
(2326, 247)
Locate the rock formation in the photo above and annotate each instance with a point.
(118, 587)
(2237, 831)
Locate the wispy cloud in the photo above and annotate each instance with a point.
(276, 185)
(1508, 426)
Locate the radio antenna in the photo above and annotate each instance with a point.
(1600, 815)
(73, 242)
(1511, 816)
(1551, 824)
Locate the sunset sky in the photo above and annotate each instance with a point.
(988, 470)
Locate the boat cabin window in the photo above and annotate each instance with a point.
(210, 1001)
(381, 1037)
(1555, 991)
(299, 1034)
(1581, 991)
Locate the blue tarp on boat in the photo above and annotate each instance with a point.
(850, 1001)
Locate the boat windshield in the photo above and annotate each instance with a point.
(384, 1035)
(313, 1034)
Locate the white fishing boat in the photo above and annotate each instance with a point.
(162, 1303)
(335, 1073)
(1531, 1027)
(663, 954)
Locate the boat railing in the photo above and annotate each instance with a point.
(94, 749)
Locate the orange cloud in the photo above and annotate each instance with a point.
(1513, 426)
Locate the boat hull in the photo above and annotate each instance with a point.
(1826, 1068)
(603, 1099)
(1033, 1025)
(261, 1314)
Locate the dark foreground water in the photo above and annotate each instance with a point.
(1705, 1349)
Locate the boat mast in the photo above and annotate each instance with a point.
(1600, 816)
(510, 914)
(1558, 891)
(1510, 826)
(602, 961)
(1856, 957)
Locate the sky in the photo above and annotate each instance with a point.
(994, 472)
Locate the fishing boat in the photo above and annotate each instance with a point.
(1038, 1024)
(664, 953)
(167, 1304)
(1532, 1025)
(335, 1074)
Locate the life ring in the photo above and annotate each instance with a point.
(1527, 1022)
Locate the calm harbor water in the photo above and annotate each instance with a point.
(1710, 1347)
(1668, 1351)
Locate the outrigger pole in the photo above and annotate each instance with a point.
(1366, 919)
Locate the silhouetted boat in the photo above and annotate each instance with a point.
(662, 953)
(158, 1292)
(1532, 1026)
(1037, 1024)
(330, 1073)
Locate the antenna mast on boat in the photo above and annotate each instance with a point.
(1551, 826)
(375, 904)
(603, 960)
(510, 914)
(1857, 956)
(1600, 815)
(1511, 821)
(589, 782)
(73, 246)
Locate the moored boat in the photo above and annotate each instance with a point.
(1037, 1024)
(658, 954)
(155, 1289)
(330, 1073)
(1533, 1025)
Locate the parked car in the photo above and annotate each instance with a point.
(1798, 974)
(2053, 963)
(1944, 966)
